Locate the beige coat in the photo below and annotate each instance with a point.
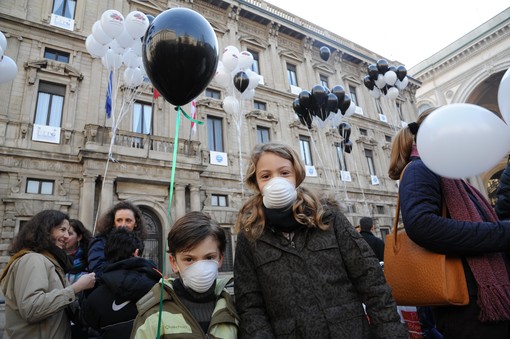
(36, 298)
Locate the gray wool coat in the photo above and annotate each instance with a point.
(314, 286)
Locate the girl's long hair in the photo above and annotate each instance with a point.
(402, 147)
(307, 208)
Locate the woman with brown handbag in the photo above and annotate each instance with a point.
(471, 230)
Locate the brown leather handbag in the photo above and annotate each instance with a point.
(419, 277)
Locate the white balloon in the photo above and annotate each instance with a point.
(137, 47)
(245, 59)
(248, 94)
(1, 52)
(380, 81)
(137, 24)
(112, 23)
(231, 105)
(230, 58)
(504, 96)
(99, 35)
(392, 93)
(95, 49)
(8, 69)
(462, 140)
(116, 47)
(254, 79)
(113, 60)
(390, 77)
(350, 111)
(3, 42)
(132, 77)
(222, 77)
(402, 84)
(130, 59)
(125, 40)
(375, 93)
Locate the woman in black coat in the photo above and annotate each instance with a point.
(503, 194)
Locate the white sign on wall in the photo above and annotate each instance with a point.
(46, 134)
(345, 176)
(218, 158)
(62, 22)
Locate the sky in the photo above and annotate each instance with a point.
(404, 30)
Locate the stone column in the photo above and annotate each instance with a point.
(106, 195)
(195, 198)
(180, 201)
(86, 209)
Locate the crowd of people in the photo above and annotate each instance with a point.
(301, 269)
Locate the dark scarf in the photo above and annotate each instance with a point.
(60, 256)
(281, 219)
(200, 305)
(488, 269)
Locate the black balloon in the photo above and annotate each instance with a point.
(345, 130)
(369, 82)
(382, 66)
(344, 106)
(392, 68)
(347, 146)
(339, 91)
(305, 99)
(241, 81)
(331, 103)
(180, 54)
(302, 113)
(319, 94)
(401, 72)
(325, 53)
(373, 72)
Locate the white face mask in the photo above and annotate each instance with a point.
(278, 193)
(200, 276)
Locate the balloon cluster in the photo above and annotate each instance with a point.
(345, 131)
(8, 67)
(321, 106)
(383, 79)
(235, 75)
(117, 41)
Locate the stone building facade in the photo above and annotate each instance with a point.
(70, 167)
(469, 71)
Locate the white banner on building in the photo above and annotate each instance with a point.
(219, 158)
(46, 134)
(311, 171)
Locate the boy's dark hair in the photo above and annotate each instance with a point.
(191, 229)
(121, 244)
(366, 224)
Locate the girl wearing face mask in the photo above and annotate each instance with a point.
(196, 304)
(301, 270)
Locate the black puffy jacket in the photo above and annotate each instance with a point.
(503, 193)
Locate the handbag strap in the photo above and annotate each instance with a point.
(397, 211)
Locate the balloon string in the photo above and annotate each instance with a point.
(171, 195)
(198, 122)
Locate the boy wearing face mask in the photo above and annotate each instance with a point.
(301, 270)
(196, 303)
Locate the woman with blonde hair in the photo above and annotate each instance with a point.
(470, 230)
(301, 270)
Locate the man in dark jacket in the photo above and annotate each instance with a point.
(111, 307)
(377, 245)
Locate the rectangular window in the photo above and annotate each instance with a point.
(379, 209)
(353, 95)
(212, 93)
(53, 54)
(36, 186)
(370, 161)
(387, 138)
(379, 107)
(50, 104)
(219, 200)
(340, 155)
(262, 135)
(306, 154)
(215, 133)
(261, 106)
(363, 132)
(255, 66)
(65, 8)
(399, 110)
(142, 117)
(324, 80)
(292, 75)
